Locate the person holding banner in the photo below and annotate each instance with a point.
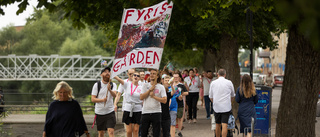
(133, 105)
(192, 99)
(152, 95)
(120, 90)
(104, 110)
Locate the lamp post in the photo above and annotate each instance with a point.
(249, 17)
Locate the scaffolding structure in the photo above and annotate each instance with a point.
(53, 67)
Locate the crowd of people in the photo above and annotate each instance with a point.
(154, 103)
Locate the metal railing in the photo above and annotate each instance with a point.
(53, 67)
(27, 102)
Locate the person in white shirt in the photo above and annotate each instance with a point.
(152, 95)
(120, 90)
(194, 84)
(133, 105)
(104, 110)
(206, 85)
(142, 75)
(221, 93)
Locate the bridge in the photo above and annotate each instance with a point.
(52, 67)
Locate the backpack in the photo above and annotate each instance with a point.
(99, 87)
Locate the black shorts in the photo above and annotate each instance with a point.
(222, 117)
(106, 121)
(135, 119)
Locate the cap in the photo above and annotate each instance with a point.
(104, 69)
(163, 76)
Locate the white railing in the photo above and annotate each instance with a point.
(53, 67)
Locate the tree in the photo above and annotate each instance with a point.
(42, 37)
(221, 30)
(297, 110)
(83, 45)
(9, 37)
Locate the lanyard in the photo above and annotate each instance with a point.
(208, 80)
(133, 90)
(193, 81)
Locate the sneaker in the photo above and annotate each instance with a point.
(194, 121)
(208, 118)
(189, 121)
(180, 135)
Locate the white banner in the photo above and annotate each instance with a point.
(141, 38)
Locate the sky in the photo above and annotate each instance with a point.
(11, 17)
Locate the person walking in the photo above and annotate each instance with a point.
(104, 108)
(192, 99)
(201, 92)
(133, 105)
(247, 97)
(221, 93)
(64, 117)
(142, 76)
(269, 80)
(206, 86)
(152, 95)
(166, 115)
(178, 88)
(121, 90)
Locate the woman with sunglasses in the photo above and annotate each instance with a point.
(133, 106)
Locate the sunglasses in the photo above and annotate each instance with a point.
(135, 75)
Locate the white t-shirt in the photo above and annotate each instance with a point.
(100, 108)
(121, 90)
(150, 105)
(206, 85)
(142, 82)
(221, 91)
(132, 95)
(193, 84)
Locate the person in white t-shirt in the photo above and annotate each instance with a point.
(194, 84)
(120, 90)
(133, 105)
(142, 75)
(104, 110)
(206, 86)
(221, 93)
(152, 95)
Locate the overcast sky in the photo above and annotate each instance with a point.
(11, 17)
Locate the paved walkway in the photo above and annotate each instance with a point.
(33, 125)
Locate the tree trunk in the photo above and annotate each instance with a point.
(227, 58)
(297, 110)
(208, 60)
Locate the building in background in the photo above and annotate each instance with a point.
(278, 56)
(275, 60)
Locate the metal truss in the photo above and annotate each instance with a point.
(53, 67)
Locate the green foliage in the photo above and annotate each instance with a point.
(42, 37)
(303, 14)
(9, 37)
(83, 45)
